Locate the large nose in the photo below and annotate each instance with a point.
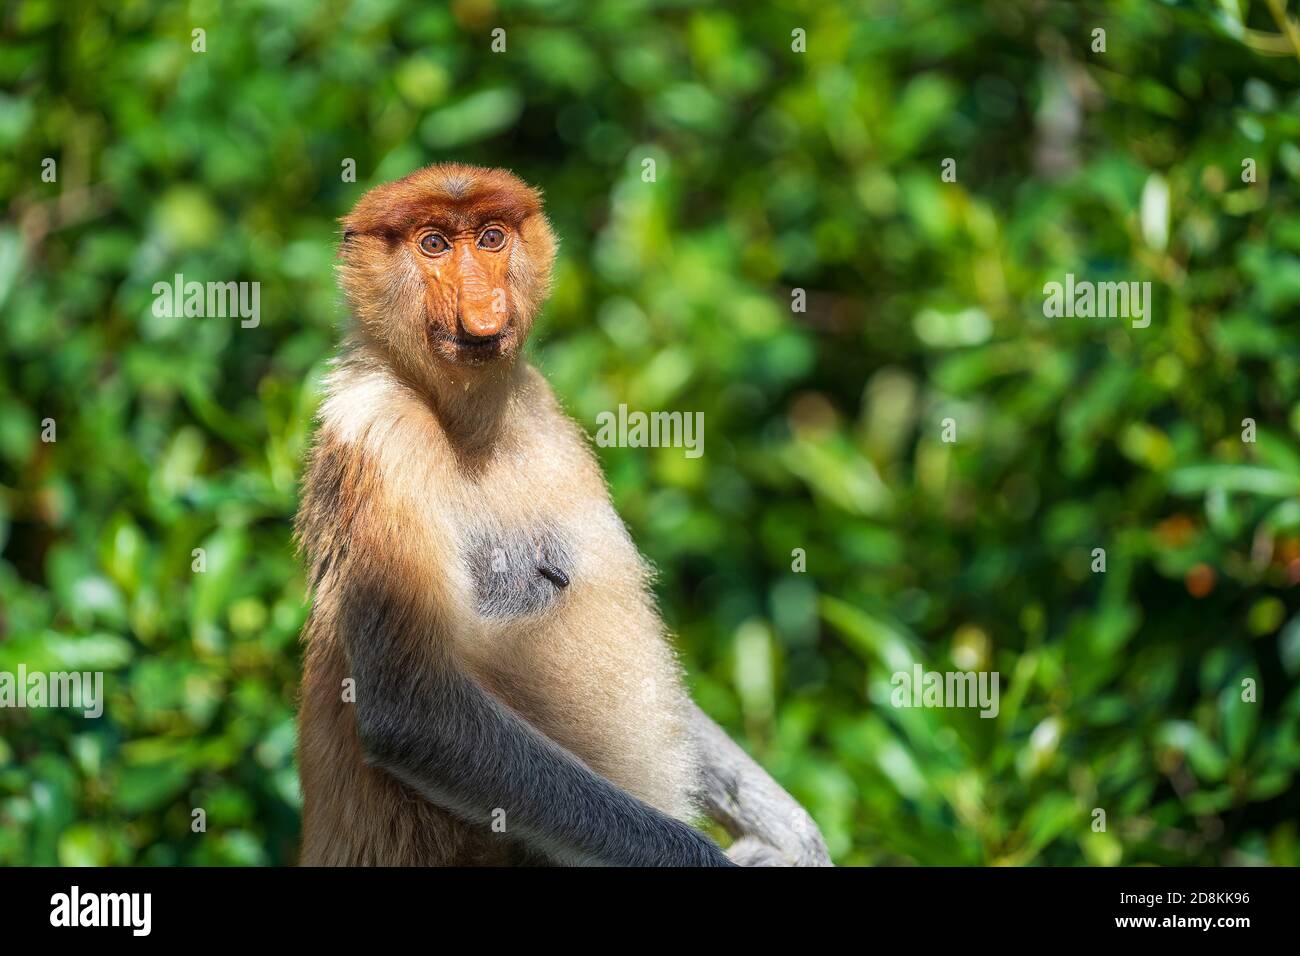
(482, 307)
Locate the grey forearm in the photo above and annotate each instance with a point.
(433, 727)
(473, 756)
(770, 827)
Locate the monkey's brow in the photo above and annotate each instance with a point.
(449, 222)
(457, 222)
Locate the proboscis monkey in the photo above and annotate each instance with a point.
(487, 679)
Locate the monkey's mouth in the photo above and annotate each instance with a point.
(474, 348)
(479, 343)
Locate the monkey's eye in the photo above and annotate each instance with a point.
(433, 244)
(492, 239)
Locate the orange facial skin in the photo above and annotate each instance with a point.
(452, 263)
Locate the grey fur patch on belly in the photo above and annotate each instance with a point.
(517, 572)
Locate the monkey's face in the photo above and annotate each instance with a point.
(472, 317)
(447, 268)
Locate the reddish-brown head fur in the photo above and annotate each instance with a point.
(447, 268)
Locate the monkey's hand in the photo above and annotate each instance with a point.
(770, 828)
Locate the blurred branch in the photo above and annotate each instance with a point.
(1286, 25)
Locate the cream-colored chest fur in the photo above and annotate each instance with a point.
(587, 663)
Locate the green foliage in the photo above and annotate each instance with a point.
(775, 170)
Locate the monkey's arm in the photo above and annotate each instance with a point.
(426, 721)
(770, 828)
